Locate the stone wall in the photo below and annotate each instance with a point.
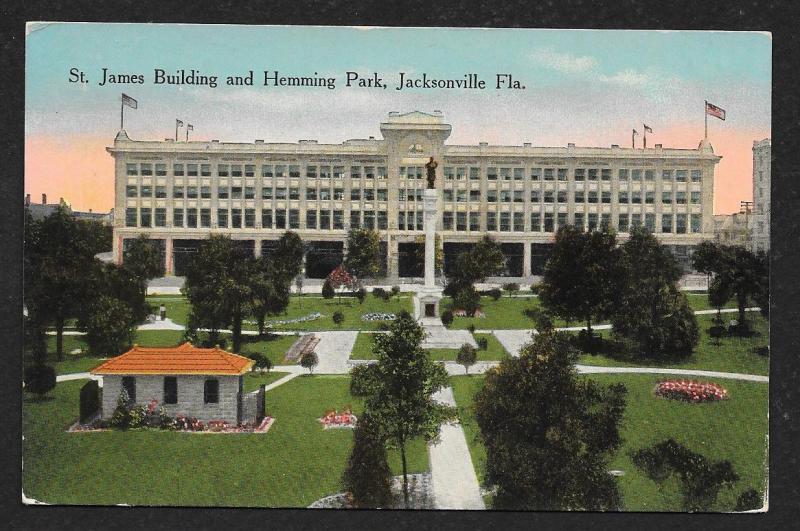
(190, 396)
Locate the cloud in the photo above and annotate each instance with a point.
(626, 78)
(563, 62)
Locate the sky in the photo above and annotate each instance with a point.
(590, 87)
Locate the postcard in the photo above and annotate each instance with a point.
(396, 268)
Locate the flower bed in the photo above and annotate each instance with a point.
(463, 313)
(333, 419)
(378, 316)
(185, 425)
(277, 322)
(691, 391)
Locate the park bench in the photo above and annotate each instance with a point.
(304, 345)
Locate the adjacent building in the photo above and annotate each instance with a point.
(181, 192)
(733, 229)
(762, 165)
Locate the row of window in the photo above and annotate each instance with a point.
(249, 192)
(410, 172)
(562, 196)
(238, 218)
(249, 170)
(210, 390)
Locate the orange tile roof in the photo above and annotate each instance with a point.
(183, 359)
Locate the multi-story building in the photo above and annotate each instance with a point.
(759, 224)
(180, 192)
(732, 229)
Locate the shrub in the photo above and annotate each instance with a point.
(137, 415)
(701, 479)
(309, 361)
(471, 328)
(327, 290)
(361, 294)
(384, 327)
(748, 500)
(495, 294)
(541, 319)
(395, 291)
(367, 477)
(467, 299)
(447, 318)
(380, 293)
(338, 317)
(121, 418)
(483, 343)
(535, 288)
(511, 287)
(261, 362)
(467, 356)
(716, 332)
(39, 379)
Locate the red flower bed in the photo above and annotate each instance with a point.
(691, 391)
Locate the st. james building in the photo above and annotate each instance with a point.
(181, 192)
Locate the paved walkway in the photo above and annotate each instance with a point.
(513, 340)
(158, 324)
(455, 485)
(333, 351)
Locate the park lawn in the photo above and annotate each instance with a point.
(699, 301)
(506, 313)
(294, 464)
(733, 354)
(362, 350)
(735, 429)
(177, 307)
(273, 347)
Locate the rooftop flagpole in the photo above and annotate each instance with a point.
(705, 115)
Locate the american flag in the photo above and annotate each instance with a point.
(647, 128)
(713, 110)
(190, 127)
(178, 123)
(130, 102)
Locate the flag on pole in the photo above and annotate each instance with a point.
(130, 102)
(715, 111)
(647, 129)
(178, 123)
(189, 127)
(635, 132)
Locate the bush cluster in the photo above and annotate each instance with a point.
(447, 318)
(381, 293)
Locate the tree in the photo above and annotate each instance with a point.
(340, 279)
(39, 379)
(467, 356)
(468, 299)
(327, 289)
(363, 252)
(59, 265)
(270, 288)
(219, 287)
(109, 325)
(398, 389)
(309, 360)
(144, 260)
(338, 317)
(367, 477)
(719, 293)
(652, 316)
(418, 254)
(549, 434)
(122, 284)
(582, 275)
(484, 259)
(287, 256)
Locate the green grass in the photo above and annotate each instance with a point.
(254, 379)
(502, 314)
(177, 307)
(734, 429)
(733, 354)
(294, 464)
(362, 350)
(273, 347)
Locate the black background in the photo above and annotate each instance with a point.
(780, 18)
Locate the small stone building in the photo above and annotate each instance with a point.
(205, 383)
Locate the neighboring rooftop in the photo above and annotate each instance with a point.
(181, 360)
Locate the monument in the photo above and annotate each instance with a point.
(427, 299)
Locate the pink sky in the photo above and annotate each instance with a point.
(79, 169)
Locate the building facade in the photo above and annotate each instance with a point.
(180, 192)
(732, 229)
(762, 166)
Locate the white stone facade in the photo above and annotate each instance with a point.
(762, 167)
(190, 396)
(176, 191)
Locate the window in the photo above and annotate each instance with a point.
(636, 175)
(294, 218)
(636, 197)
(449, 173)
(606, 197)
(680, 198)
(355, 218)
(250, 170)
(505, 221)
(355, 194)
(680, 224)
(161, 217)
(561, 219)
(519, 174)
(579, 196)
(205, 170)
(132, 169)
(325, 194)
(623, 196)
(294, 193)
(338, 193)
(605, 174)
(695, 198)
(696, 176)
(605, 220)
(649, 175)
(592, 221)
(130, 217)
(129, 385)
(146, 169)
(666, 223)
(131, 191)
(191, 170)
(580, 174)
(474, 221)
(461, 196)
(211, 391)
(623, 175)
(383, 220)
(696, 225)
(311, 194)
(222, 218)
(280, 219)
(191, 192)
(338, 171)
(491, 221)
(191, 218)
(593, 196)
(311, 219)
(649, 198)
(146, 191)
(491, 174)
(236, 170)
(369, 219)
(170, 390)
(205, 217)
(177, 217)
(280, 193)
(549, 174)
(623, 223)
(161, 192)
(369, 172)
(161, 170)
(222, 192)
(666, 198)
(579, 220)
(562, 174)
(338, 219)
(491, 196)
(666, 175)
(382, 194)
(518, 197)
(593, 174)
(536, 174)
(177, 170)
(536, 196)
(461, 221)
(548, 222)
(474, 174)
(505, 174)
(680, 176)
(650, 222)
(447, 220)
(266, 193)
(519, 221)
(222, 170)
(250, 192)
(536, 221)
(548, 196)
(369, 195)
(561, 196)
(505, 196)
(205, 192)
(636, 220)
(250, 218)
(266, 218)
(311, 172)
(236, 192)
(401, 220)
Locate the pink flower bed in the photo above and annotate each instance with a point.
(691, 391)
(334, 419)
(463, 313)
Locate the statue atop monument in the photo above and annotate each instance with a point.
(431, 167)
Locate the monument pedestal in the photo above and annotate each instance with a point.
(426, 302)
